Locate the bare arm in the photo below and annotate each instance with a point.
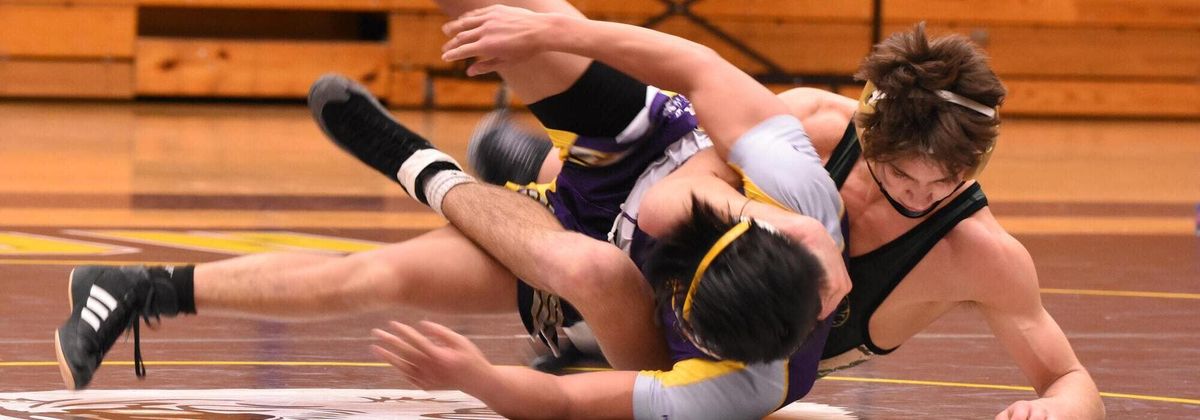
(434, 357)
(1011, 302)
(707, 178)
(728, 102)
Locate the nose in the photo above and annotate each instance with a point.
(919, 200)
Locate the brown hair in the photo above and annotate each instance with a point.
(912, 121)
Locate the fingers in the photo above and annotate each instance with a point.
(484, 66)
(469, 20)
(407, 370)
(462, 38)
(462, 24)
(412, 337)
(395, 342)
(393, 359)
(447, 336)
(1024, 410)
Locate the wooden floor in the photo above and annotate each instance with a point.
(1107, 208)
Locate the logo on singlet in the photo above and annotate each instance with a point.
(842, 313)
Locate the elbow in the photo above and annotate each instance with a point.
(651, 219)
(660, 208)
(707, 64)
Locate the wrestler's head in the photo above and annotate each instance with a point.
(739, 289)
(928, 117)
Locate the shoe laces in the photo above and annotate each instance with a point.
(139, 367)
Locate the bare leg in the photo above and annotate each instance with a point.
(438, 271)
(595, 276)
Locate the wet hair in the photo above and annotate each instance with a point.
(912, 121)
(757, 301)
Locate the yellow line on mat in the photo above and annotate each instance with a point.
(1122, 293)
(1003, 387)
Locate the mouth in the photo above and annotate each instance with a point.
(916, 209)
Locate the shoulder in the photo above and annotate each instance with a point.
(998, 266)
(805, 102)
(824, 114)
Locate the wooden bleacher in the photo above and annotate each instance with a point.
(1058, 57)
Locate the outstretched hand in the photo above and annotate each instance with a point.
(495, 36)
(431, 356)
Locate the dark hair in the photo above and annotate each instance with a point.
(912, 120)
(757, 301)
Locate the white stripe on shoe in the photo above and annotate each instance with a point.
(103, 296)
(90, 318)
(98, 308)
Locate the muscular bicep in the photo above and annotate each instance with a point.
(729, 103)
(1012, 306)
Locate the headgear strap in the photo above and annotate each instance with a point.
(875, 95)
(726, 239)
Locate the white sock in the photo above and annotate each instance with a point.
(441, 183)
(411, 168)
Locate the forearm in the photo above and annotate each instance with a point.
(522, 393)
(656, 58)
(728, 102)
(668, 203)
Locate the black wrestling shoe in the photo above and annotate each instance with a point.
(568, 356)
(570, 359)
(501, 152)
(105, 302)
(360, 125)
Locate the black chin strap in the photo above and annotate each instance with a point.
(904, 211)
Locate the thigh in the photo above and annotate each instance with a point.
(444, 271)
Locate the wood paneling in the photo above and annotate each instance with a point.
(1084, 52)
(464, 93)
(1077, 98)
(809, 10)
(374, 5)
(416, 40)
(253, 69)
(1110, 13)
(408, 88)
(28, 30)
(75, 79)
(802, 48)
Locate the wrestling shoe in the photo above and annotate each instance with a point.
(356, 121)
(105, 302)
(500, 152)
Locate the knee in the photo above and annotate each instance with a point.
(589, 268)
(374, 280)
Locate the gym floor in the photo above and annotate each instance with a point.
(1108, 209)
